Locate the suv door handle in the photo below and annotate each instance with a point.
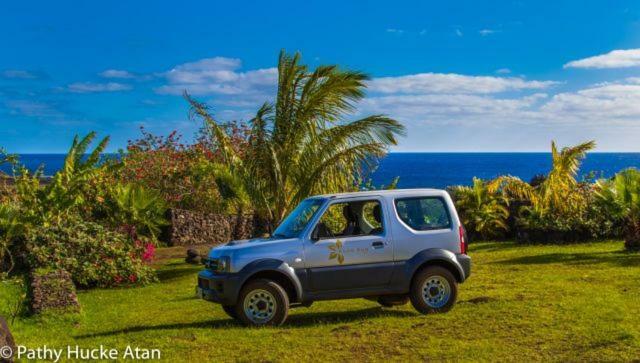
(378, 244)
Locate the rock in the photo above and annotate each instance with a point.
(192, 256)
(6, 340)
(53, 290)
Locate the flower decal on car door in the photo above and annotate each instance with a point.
(336, 252)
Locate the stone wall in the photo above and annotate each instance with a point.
(190, 228)
(53, 290)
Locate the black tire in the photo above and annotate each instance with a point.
(271, 298)
(437, 279)
(231, 311)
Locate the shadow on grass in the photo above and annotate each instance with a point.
(490, 246)
(165, 275)
(294, 321)
(583, 258)
(330, 317)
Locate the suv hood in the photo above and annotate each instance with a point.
(247, 244)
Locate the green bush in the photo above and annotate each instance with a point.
(131, 205)
(93, 255)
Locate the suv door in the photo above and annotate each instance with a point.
(360, 258)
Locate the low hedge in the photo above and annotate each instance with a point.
(93, 255)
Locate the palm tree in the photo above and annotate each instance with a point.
(484, 212)
(51, 204)
(621, 195)
(557, 192)
(136, 206)
(301, 145)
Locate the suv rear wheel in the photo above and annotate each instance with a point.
(434, 290)
(263, 302)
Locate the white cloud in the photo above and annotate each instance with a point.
(18, 74)
(452, 108)
(426, 101)
(453, 83)
(218, 76)
(603, 102)
(89, 87)
(395, 31)
(485, 32)
(614, 59)
(32, 108)
(117, 73)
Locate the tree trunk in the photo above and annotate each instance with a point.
(632, 235)
(7, 344)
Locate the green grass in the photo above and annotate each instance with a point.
(559, 303)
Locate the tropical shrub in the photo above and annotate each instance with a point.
(66, 194)
(484, 212)
(301, 144)
(179, 172)
(10, 229)
(131, 205)
(92, 254)
(557, 206)
(621, 198)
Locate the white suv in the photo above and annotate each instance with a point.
(391, 246)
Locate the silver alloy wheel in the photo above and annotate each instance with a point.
(260, 306)
(436, 291)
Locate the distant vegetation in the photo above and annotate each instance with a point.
(556, 207)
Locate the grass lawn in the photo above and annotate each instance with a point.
(560, 303)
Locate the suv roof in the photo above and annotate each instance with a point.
(392, 192)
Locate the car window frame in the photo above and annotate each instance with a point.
(320, 214)
(444, 204)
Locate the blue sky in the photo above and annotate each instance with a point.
(461, 75)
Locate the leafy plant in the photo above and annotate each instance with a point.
(67, 191)
(11, 228)
(621, 195)
(138, 207)
(301, 144)
(557, 192)
(484, 212)
(92, 254)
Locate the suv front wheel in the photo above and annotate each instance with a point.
(263, 303)
(433, 290)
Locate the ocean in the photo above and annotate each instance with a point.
(438, 170)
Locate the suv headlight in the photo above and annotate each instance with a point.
(224, 264)
(220, 264)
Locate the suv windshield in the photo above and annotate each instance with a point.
(298, 219)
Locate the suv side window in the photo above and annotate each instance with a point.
(348, 219)
(424, 213)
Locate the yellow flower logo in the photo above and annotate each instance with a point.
(336, 252)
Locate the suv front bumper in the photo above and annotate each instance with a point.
(219, 288)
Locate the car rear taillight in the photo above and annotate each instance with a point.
(463, 240)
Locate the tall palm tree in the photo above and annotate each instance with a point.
(622, 197)
(301, 144)
(484, 213)
(558, 190)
